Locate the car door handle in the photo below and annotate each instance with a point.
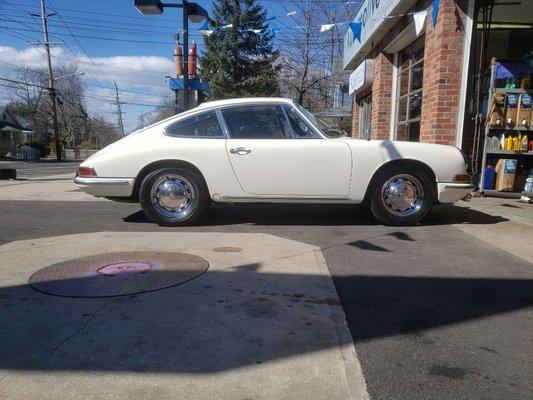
(240, 150)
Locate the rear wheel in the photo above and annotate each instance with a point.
(401, 196)
(173, 196)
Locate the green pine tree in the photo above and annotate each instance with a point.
(239, 62)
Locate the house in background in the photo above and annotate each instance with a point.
(339, 115)
(13, 133)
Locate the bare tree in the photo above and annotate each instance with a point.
(165, 110)
(308, 56)
(30, 89)
(100, 133)
(32, 99)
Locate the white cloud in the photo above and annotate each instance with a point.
(134, 73)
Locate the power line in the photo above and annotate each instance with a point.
(92, 12)
(93, 37)
(87, 83)
(114, 22)
(82, 49)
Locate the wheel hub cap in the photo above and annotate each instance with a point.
(173, 194)
(402, 195)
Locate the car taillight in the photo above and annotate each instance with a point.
(86, 172)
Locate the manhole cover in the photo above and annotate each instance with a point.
(227, 249)
(117, 274)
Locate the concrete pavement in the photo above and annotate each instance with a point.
(264, 322)
(434, 312)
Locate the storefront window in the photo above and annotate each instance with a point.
(409, 78)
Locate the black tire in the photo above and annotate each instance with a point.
(157, 213)
(385, 212)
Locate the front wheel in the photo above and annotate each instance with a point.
(173, 196)
(401, 196)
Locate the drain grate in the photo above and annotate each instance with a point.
(118, 274)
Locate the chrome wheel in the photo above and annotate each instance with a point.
(173, 196)
(402, 195)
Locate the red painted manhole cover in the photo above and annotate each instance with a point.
(118, 274)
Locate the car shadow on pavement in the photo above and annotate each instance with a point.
(277, 214)
(231, 319)
(321, 215)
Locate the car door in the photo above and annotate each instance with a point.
(274, 152)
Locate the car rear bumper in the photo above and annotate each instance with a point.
(106, 187)
(452, 192)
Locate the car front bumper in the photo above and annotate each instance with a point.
(452, 192)
(106, 187)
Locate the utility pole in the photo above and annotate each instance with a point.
(51, 89)
(119, 112)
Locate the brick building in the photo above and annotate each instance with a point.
(418, 86)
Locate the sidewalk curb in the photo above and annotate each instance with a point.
(356, 387)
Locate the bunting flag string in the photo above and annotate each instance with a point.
(435, 12)
(419, 18)
(356, 27)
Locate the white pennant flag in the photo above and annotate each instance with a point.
(227, 26)
(326, 27)
(420, 18)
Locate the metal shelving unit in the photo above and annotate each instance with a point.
(501, 128)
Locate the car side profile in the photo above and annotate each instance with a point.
(270, 150)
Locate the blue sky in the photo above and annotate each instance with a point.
(136, 65)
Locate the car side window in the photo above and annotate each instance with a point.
(257, 122)
(300, 128)
(204, 125)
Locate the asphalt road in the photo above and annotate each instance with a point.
(41, 169)
(434, 312)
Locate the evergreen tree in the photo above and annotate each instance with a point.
(239, 62)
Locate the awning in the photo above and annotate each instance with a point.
(376, 23)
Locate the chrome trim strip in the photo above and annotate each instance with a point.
(282, 197)
(457, 185)
(104, 181)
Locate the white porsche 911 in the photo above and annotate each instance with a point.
(270, 150)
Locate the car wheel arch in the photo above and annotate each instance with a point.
(153, 166)
(404, 163)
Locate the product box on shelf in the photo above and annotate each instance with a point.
(505, 174)
(497, 115)
(524, 110)
(511, 108)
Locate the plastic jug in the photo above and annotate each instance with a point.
(528, 186)
(490, 175)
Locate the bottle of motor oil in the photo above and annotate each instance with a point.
(528, 186)
(523, 143)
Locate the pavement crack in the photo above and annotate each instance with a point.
(81, 328)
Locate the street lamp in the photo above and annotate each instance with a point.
(191, 11)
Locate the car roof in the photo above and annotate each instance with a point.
(244, 100)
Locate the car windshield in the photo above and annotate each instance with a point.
(324, 127)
